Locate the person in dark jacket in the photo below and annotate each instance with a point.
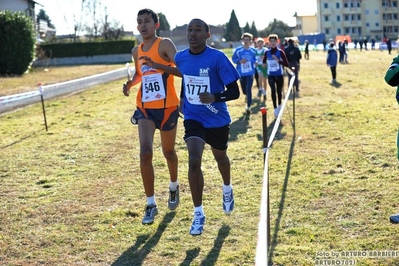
(306, 49)
(293, 56)
(389, 45)
(332, 59)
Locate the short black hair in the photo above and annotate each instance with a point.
(206, 26)
(151, 12)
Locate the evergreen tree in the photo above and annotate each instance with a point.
(43, 16)
(233, 30)
(253, 30)
(164, 23)
(277, 27)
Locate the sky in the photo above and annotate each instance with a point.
(63, 13)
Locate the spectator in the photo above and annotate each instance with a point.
(332, 59)
(293, 56)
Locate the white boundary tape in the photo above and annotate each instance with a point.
(262, 247)
(10, 102)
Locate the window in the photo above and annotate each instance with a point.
(338, 18)
(346, 17)
(359, 17)
(395, 3)
(358, 4)
(376, 11)
(325, 5)
(377, 24)
(345, 5)
(347, 31)
(327, 31)
(367, 24)
(366, 12)
(395, 16)
(339, 31)
(325, 18)
(337, 5)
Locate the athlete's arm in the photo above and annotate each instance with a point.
(167, 50)
(231, 93)
(136, 77)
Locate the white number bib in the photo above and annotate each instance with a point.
(153, 88)
(273, 65)
(246, 67)
(194, 86)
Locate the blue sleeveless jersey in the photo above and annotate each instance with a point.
(273, 67)
(211, 66)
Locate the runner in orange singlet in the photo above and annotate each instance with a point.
(157, 106)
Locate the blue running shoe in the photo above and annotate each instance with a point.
(228, 202)
(198, 224)
(394, 218)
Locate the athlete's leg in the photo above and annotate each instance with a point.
(146, 137)
(168, 140)
(223, 164)
(195, 148)
(272, 84)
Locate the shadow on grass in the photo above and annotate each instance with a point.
(273, 240)
(240, 126)
(136, 256)
(18, 141)
(213, 255)
(335, 84)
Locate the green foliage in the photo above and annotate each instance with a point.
(233, 30)
(254, 30)
(277, 27)
(164, 24)
(17, 42)
(77, 49)
(43, 16)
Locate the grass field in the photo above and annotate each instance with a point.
(74, 196)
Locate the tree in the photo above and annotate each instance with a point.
(43, 16)
(254, 30)
(277, 27)
(233, 30)
(247, 28)
(17, 43)
(164, 23)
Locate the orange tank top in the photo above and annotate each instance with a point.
(157, 88)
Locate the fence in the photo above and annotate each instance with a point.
(263, 243)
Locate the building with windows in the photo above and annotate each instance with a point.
(305, 24)
(368, 19)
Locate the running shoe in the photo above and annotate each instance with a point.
(198, 224)
(149, 214)
(174, 199)
(394, 218)
(228, 202)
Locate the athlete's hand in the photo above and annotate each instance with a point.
(148, 61)
(206, 97)
(126, 88)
